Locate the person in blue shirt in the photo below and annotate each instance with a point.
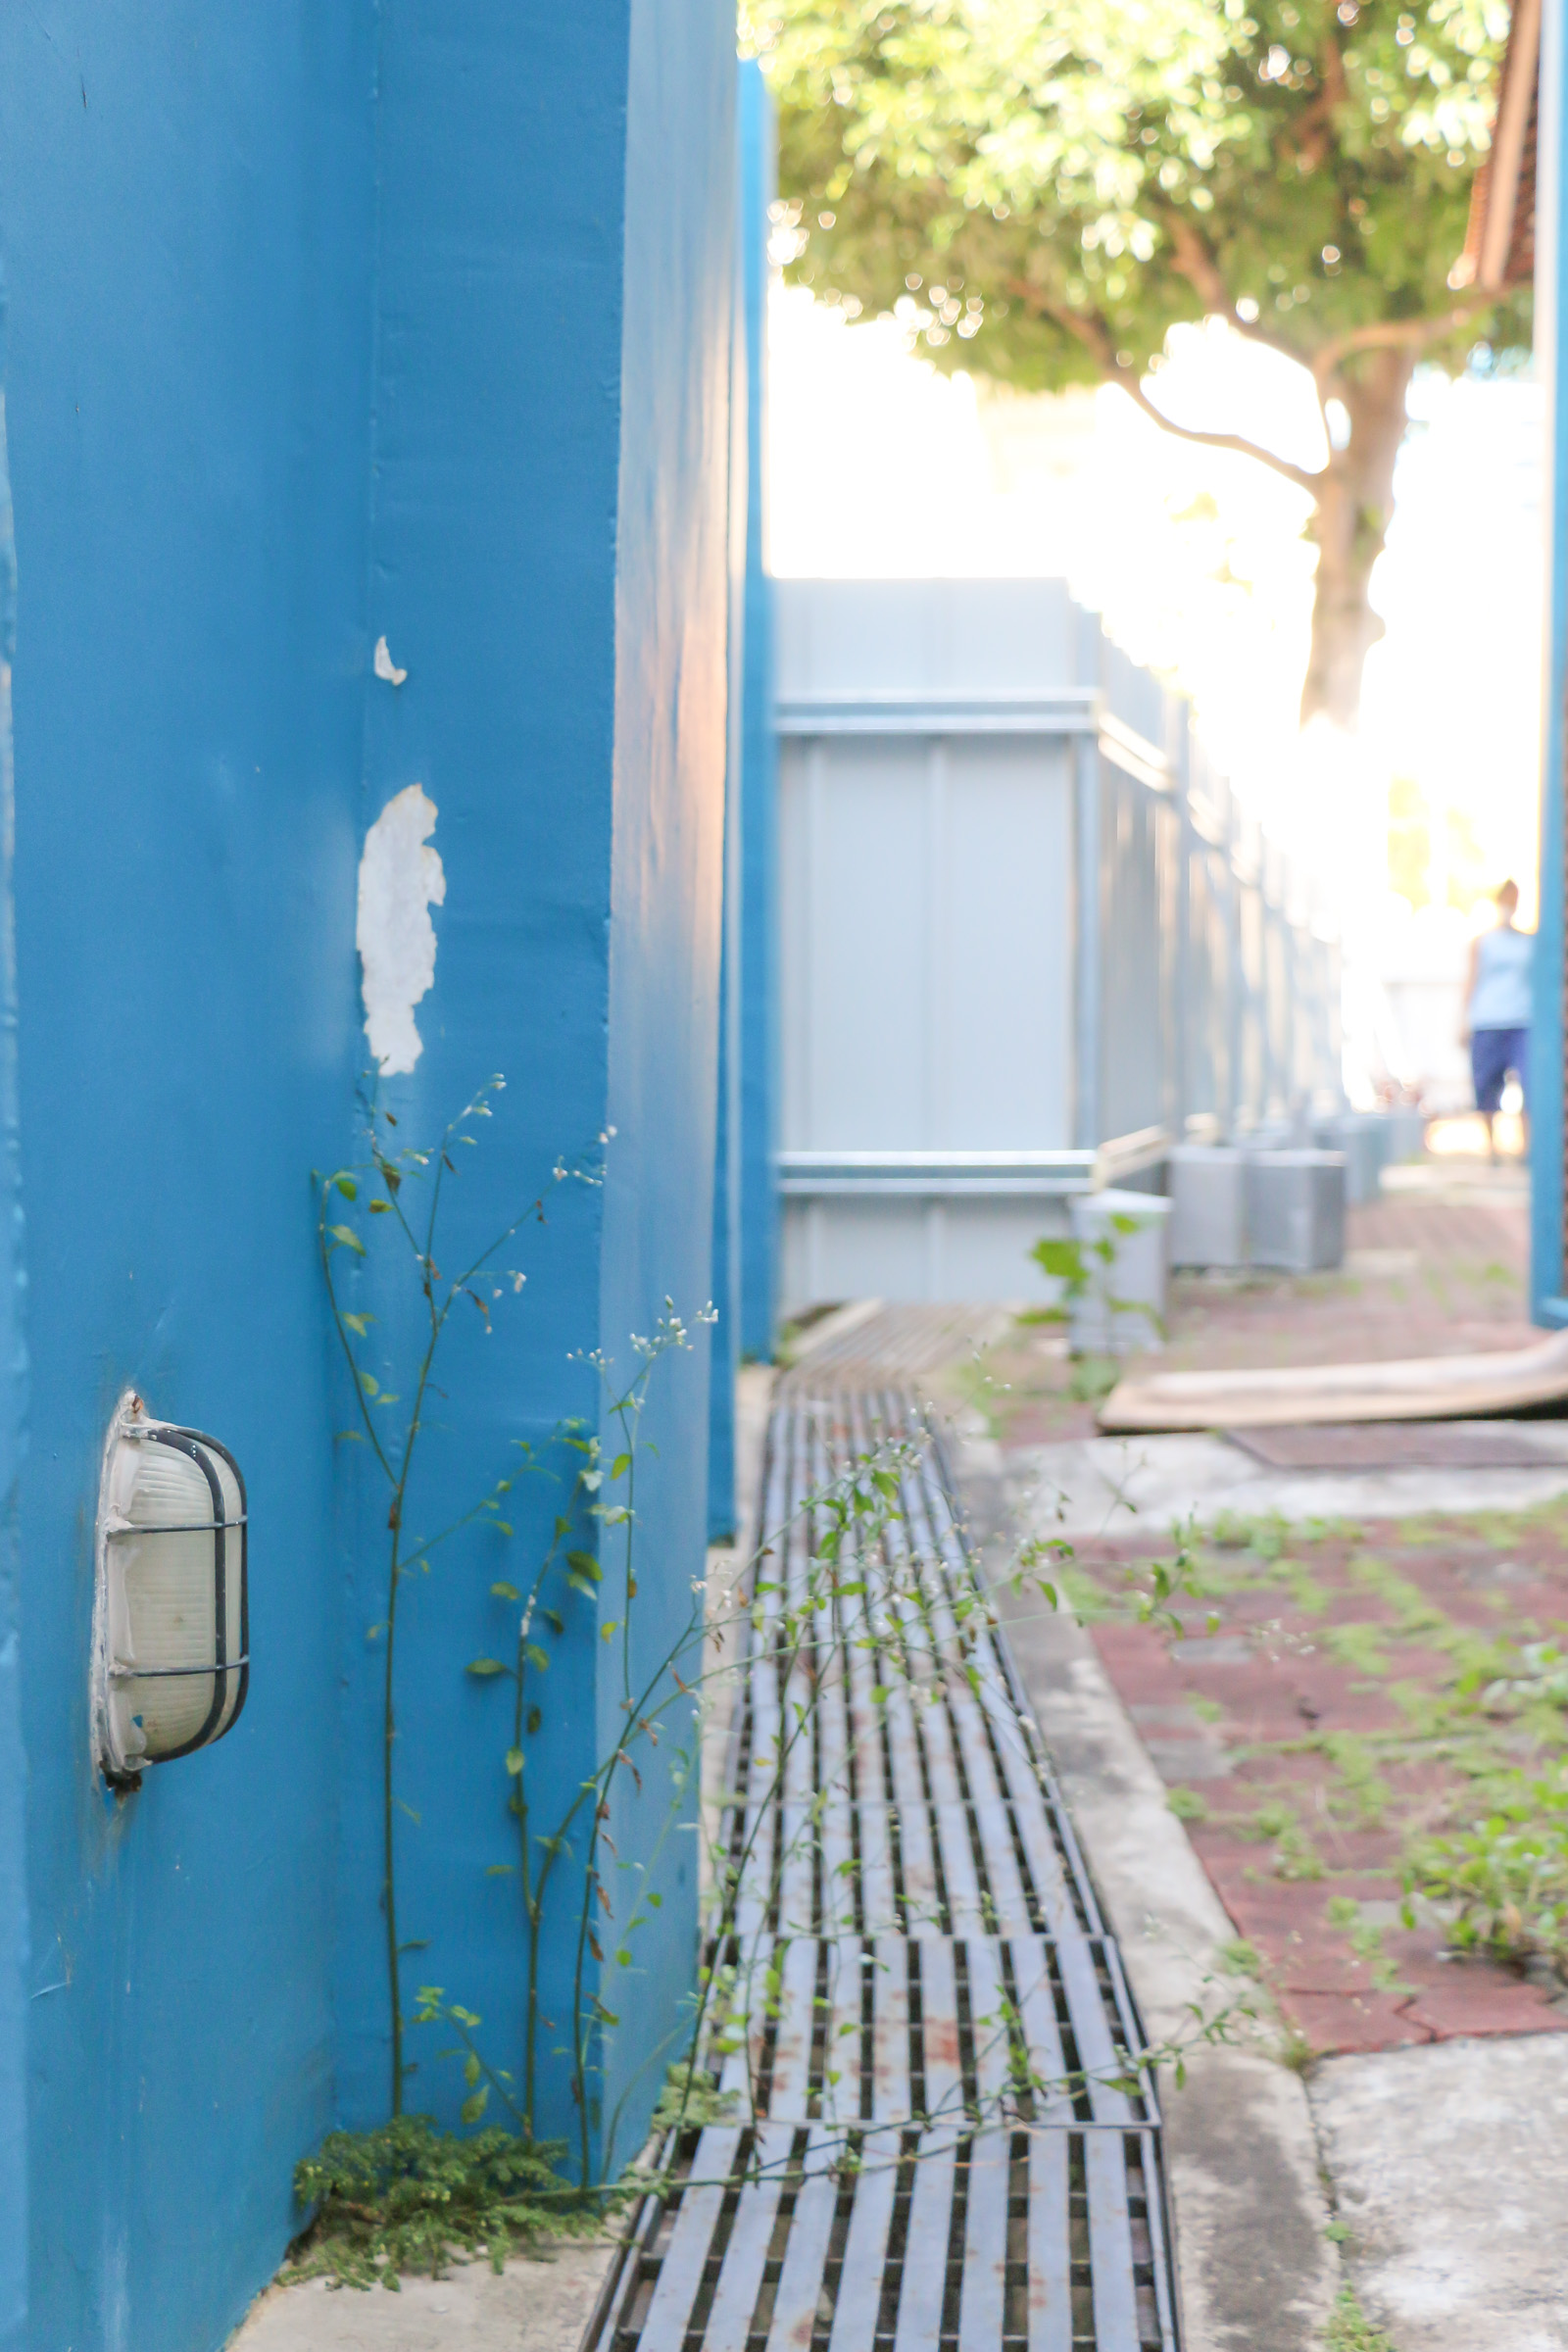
(1498, 1007)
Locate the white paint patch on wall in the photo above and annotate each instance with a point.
(398, 878)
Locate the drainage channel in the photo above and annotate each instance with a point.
(931, 2138)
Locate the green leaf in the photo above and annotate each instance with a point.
(473, 2108)
(503, 1525)
(357, 1324)
(500, 1870)
(620, 1465)
(1062, 1260)
(535, 1719)
(506, 1591)
(553, 1618)
(487, 1666)
(369, 1384)
(514, 1761)
(381, 1209)
(348, 1237)
(347, 1186)
(656, 1900)
(580, 1584)
(472, 2070)
(586, 1565)
(536, 1656)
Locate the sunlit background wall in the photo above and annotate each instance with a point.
(881, 467)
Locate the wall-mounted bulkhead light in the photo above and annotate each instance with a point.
(170, 1633)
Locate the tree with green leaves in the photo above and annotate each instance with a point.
(1056, 188)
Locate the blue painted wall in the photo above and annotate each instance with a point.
(1546, 1126)
(14, 1906)
(722, 1499)
(410, 320)
(759, 1014)
(185, 200)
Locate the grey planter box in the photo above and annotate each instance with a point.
(1123, 1309)
(1206, 1186)
(1296, 1210)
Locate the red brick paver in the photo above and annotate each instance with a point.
(1301, 1736)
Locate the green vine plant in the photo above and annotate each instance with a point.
(1085, 1268)
(861, 1588)
(839, 1580)
(390, 1174)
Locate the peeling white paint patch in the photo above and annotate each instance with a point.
(385, 666)
(398, 879)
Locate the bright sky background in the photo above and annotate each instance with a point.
(881, 467)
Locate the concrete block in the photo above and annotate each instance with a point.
(1296, 1210)
(1366, 1140)
(1407, 1133)
(1206, 1186)
(1123, 1308)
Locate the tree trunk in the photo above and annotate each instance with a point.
(1355, 507)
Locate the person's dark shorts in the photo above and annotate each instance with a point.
(1493, 1052)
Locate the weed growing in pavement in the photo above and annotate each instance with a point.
(1503, 1879)
(1187, 1804)
(1357, 1644)
(1295, 1857)
(410, 2198)
(1351, 2331)
(1295, 2052)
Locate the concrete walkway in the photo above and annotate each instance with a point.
(1445, 2168)
(1451, 2170)
(1108, 1486)
(531, 2307)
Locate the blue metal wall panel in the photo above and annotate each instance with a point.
(14, 1903)
(501, 154)
(231, 241)
(185, 200)
(760, 1007)
(1547, 1127)
(665, 921)
(725, 1354)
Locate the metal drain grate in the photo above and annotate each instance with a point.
(935, 2141)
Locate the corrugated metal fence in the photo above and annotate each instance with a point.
(1027, 938)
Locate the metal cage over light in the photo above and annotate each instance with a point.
(170, 1665)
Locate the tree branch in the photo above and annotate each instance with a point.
(1194, 257)
(1397, 334)
(1097, 339)
(1299, 474)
